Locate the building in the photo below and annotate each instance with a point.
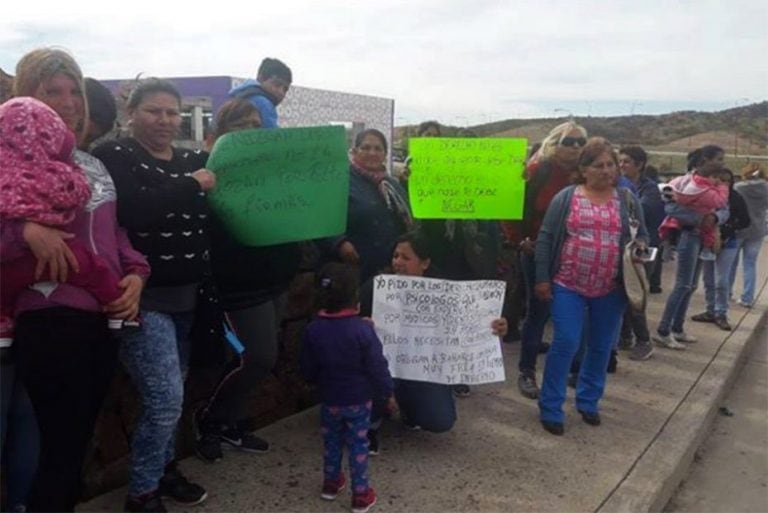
(302, 106)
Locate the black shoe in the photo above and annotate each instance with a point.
(556, 428)
(173, 484)
(703, 317)
(613, 363)
(544, 347)
(722, 322)
(208, 448)
(593, 419)
(208, 445)
(655, 290)
(147, 503)
(243, 440)
(461, 390)
(373, 442)
(526, 383)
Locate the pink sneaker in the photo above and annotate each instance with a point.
(6, 331)
(331, 489)
(362, 502)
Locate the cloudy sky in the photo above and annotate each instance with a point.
(459, 61)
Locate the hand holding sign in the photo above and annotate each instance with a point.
(281, 185)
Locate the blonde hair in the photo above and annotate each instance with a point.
(551, 141)
(753, 171)
(42, 64)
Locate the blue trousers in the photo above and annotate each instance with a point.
(751, 250)
(688, 270)
(346, 426)
(20, 438)
(604, 316)
(716, 276)
(156, 359)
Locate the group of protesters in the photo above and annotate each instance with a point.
(108, 246)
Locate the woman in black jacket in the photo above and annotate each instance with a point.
(717, 272)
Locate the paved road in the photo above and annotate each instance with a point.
(730, 469)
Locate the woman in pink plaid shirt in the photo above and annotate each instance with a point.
(578, 254)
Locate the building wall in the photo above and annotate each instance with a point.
(302, 106)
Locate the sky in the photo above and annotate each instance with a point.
(462, 62)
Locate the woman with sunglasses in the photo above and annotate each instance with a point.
(550, 170)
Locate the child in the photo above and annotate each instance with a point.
(41, 183)
(266, 92)
(343, 355)
(702, 195)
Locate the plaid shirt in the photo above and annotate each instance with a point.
(589, 263)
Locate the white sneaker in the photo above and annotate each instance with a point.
(684, 338)
(744, 304)
(668, 342)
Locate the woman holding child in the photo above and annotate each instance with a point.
(63, 347)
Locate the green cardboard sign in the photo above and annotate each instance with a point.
(281, 185)
(467, 178)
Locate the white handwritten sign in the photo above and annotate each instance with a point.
(439, 330)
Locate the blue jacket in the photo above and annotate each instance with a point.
(344, 357)
(252, 91)
(549, 243)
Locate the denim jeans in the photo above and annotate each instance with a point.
(750, 249)
(604, 319)
(536, 317)
(156, 359)
(686, 277)
(20, 439)
(716, 276)
(428, 405)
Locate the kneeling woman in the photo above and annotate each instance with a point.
(577, 267)
(429, 406)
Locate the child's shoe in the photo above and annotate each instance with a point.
(362, 502)
(6, 331)
(707, 255)
(332, 489)
(124, 326)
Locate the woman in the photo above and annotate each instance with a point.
(65, 353)
(162, 204)
(428, 406)
(717, 273)
(706, 161)
(632, 161)
(378, 210)
(577, 268)
(549, 171)
(250, 282)
(754, 189)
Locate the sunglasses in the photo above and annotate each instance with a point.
(573, 141)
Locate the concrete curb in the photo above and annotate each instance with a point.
(659, 470)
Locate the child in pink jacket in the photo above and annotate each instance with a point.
(702, 195)
(40, 182)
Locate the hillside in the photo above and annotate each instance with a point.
(740, 130)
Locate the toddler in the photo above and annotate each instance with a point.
(702, 195)
(40, 182)
(343, 355)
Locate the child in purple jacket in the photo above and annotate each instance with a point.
(343, 355)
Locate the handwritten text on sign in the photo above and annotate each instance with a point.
(281, 185)
(467, 178)
(439, 330)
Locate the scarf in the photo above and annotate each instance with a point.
(391, 196)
